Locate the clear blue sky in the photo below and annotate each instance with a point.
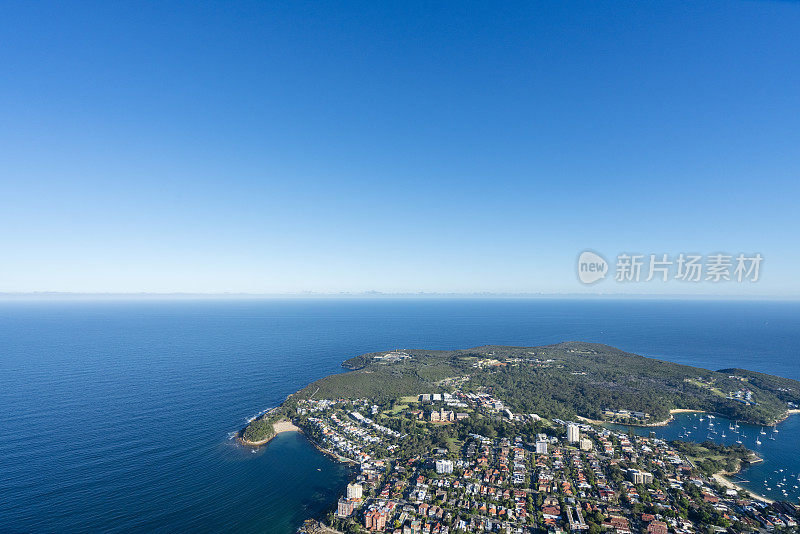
(393, 146)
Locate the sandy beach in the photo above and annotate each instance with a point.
(285, 426)
(668, 420)
(725, 482)
(665, 422)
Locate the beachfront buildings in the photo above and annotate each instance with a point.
(354, 491)
(345, 508)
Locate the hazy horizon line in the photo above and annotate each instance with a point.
(7, 295)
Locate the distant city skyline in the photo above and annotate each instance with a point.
(303, 148)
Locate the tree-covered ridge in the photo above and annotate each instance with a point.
(261, 429)
(562, 380)
(785, 389)
(710, 457)
(258, 430)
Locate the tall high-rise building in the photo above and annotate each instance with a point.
(541, 447)
(640, 477)
(345, 508)
(354, 491)
(444, 466)
(375, 520)
(573, 433)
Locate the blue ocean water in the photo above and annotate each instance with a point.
(116, 415)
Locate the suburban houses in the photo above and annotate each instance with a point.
(566, 477)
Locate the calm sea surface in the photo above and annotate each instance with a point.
(116, 415)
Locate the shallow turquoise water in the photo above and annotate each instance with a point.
(115, 416)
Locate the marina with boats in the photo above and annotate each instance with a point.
(776, 476)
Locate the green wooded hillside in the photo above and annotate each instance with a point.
(562, 380)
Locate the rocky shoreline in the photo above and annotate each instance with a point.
(671, 418)
(665, 422)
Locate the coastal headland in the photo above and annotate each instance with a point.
(278, 427)
(569, 380)
(514, 416)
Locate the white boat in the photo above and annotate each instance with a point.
(762, 430)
